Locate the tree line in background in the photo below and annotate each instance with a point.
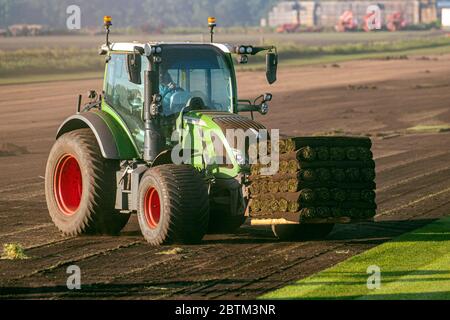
(136, 13)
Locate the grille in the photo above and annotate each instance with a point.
(235, 121)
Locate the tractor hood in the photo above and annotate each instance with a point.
(220, 125)
(227, 121)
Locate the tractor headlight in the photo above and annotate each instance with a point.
(239, 156)
(151, 50)
(264, 108)
(155, 109)
(157, 98)
(249, 50)
(268, 97)
(243, 59)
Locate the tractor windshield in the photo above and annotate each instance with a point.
(195, 72)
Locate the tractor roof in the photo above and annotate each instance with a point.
(129, 46)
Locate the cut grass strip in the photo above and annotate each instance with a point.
(52, 64)
(415, 265)
(13, 251)
(173, 251)
(429, 128)
(336, 58)
(50, 77)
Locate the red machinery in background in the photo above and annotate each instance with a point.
(347, 22)
(395, 21)
(288, 28)
(294, 26)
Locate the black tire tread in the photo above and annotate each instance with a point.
(100, 216)
(187, 204)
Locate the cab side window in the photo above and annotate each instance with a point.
(125, 97)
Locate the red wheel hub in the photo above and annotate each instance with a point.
(152, 208)
(68, 184)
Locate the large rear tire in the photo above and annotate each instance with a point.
(80, 186)
(302, 232)
(173, 205)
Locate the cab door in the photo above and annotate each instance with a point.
(124, 98)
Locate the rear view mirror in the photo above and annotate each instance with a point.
(134, 64)
(271, 67)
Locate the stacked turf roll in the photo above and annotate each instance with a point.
(318, 178)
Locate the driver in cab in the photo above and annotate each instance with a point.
(175, 98)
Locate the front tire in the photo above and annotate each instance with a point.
(80, 187)
(173, 205)
(302, 232)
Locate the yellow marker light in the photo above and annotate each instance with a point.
(107, 20)
(212, 21)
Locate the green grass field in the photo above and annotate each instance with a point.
(50, 77)
(415, 265)
(336, 58)
(57, 61)
(50, 63)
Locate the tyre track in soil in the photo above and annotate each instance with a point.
(264, 260)
(391, 174)
(213, 287)
(426, 165)
(243, 265)
(215, 284)
(211, 291)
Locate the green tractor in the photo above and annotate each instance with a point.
(146, 146)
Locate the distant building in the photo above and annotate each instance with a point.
(327, 13)
(444, 13)
(18, 30)
(292, 12)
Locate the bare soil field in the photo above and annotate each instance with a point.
(380, 98)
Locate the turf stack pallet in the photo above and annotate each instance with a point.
(318, 178)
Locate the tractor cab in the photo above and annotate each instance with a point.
(200, 76)
(186, 71)
(152, 89)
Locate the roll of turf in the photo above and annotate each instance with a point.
(318, 178)
(290, 165)
(294, 143)
(294, 183)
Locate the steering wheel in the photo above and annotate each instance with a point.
(196, 103)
